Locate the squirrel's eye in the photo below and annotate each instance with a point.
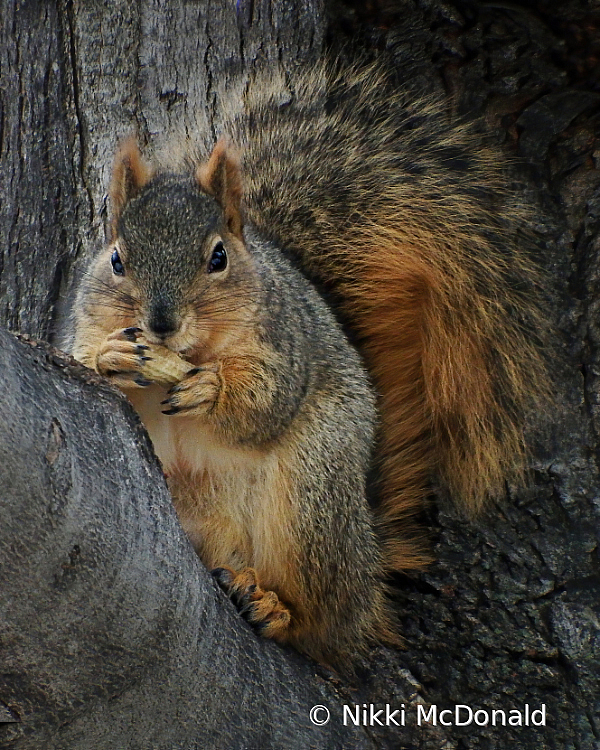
(118, 267)
(218, 259)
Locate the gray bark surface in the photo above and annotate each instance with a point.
(112, 635)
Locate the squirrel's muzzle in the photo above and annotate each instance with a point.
(163, 319)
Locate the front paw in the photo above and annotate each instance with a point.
(122, 357)
(197, 393)
(130, 361)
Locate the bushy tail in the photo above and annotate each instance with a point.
(402, 214)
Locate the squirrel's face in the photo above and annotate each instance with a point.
(177, 272)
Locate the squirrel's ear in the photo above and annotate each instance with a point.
(221, 177)
(130, 174)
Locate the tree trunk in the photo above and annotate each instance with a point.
(112, 634)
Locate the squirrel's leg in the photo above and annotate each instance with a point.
(236, 395)
(262, 609)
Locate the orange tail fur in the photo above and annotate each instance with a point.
(406, 218)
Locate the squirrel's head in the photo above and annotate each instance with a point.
(177, 256)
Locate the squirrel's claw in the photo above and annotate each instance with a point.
(131, 333)
(262, 609)
(196, 393)
(224, 577)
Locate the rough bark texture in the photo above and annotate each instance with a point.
(111, 633)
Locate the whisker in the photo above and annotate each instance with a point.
(111, 293)
(102, 288)
(220, 325)
(217, 327)
(222, 313)
(226, 301)
(237, 290)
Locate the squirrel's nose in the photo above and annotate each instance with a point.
(162, 326)
(162, 319)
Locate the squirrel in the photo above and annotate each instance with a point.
(258, 407)
(206, 308)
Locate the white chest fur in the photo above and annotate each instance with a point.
(228, 498)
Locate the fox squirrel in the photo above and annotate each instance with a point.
(202, 311)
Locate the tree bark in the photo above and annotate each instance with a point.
(112, 634)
